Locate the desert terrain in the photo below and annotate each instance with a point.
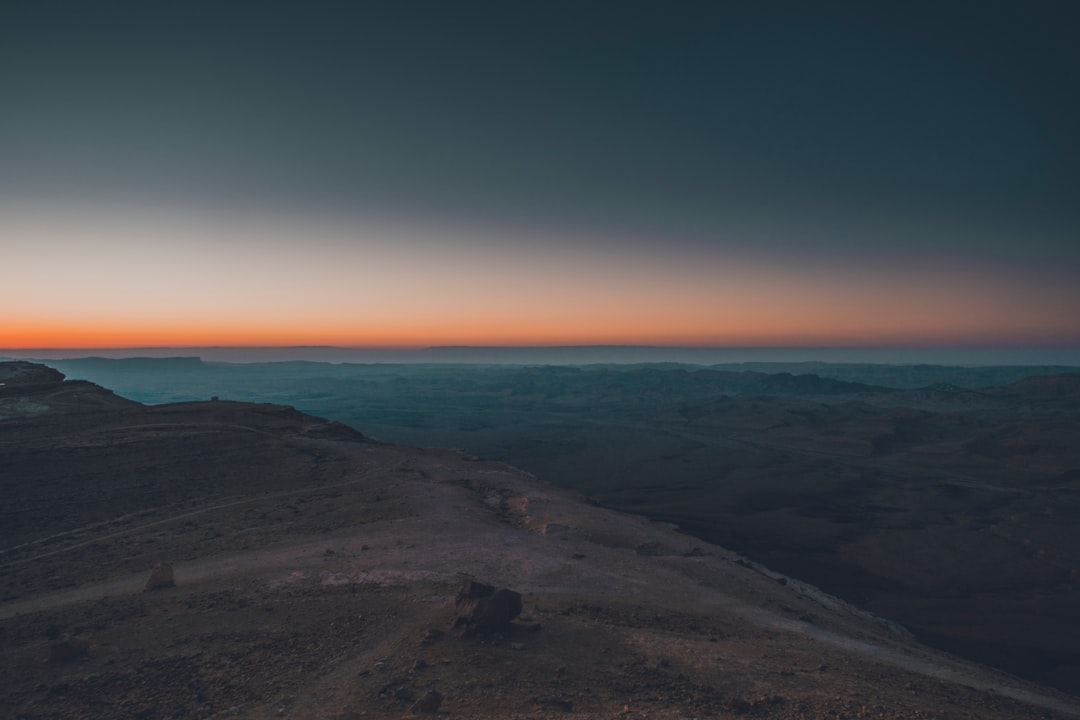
(944, 498)
(315, 574)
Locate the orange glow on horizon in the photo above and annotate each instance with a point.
(59, 335)
(113, 280)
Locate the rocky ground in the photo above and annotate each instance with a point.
(315, 575)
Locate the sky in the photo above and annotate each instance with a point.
(407, 174)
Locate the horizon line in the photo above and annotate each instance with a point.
(563, 346)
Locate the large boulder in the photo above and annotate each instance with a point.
(484, 607)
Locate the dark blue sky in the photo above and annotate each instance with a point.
(782, 128)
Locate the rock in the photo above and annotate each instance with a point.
(66, 648)
(161, 578)
(557, 703)
(483, 607)
(432, 636)
(737, 706)
(22, 372)
(651, 548)
(428, 704)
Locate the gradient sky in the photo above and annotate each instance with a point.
(400, 173)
